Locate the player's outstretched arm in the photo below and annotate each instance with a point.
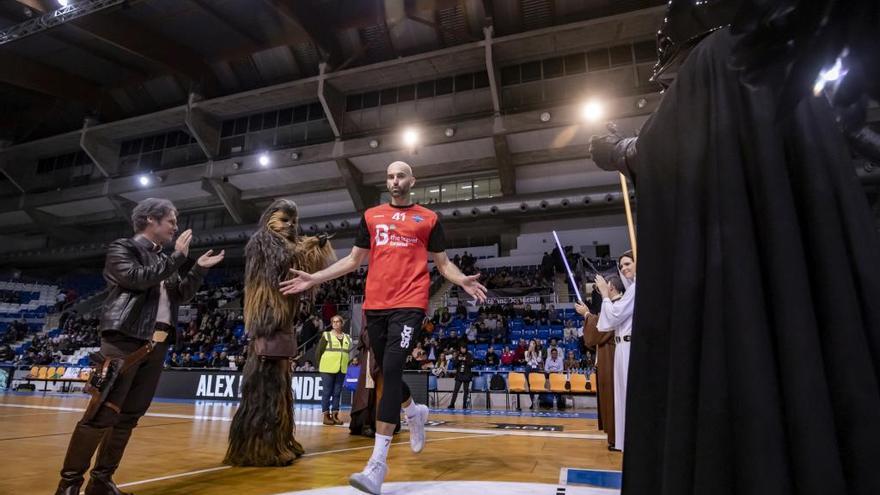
(303, 281)
(450, 272)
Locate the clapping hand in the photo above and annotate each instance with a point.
(581, 309)
(209, 259)
(603, 287)
(182, 244)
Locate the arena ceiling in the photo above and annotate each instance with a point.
(125, 71)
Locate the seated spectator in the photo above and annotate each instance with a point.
(187, 361)
(552, 347)
(571, 362)
(554, 362)
(569, 332)
(491, 357)
(508, 357)
(216, 362)
(520, 351)
(440, 367)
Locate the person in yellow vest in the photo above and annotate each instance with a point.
(332, 355)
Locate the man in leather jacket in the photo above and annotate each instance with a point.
(145, 289)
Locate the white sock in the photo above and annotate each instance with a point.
(410, 410)
(380, 449)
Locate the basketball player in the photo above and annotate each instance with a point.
(398, 237)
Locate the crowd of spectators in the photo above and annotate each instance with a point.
(11, 297)
(77, 331)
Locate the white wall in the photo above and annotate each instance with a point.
(581, 233)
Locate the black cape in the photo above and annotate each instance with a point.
(756, 344)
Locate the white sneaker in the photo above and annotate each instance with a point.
(371, 478)
(417, 428)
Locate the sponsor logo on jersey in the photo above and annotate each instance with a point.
(417, 218)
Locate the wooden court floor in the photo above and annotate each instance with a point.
(178, 448)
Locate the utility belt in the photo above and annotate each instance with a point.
(625, 338)
(105, 371)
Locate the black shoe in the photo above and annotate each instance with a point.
(99, 485)
(368, 432)
(68, 487)
(612, 449)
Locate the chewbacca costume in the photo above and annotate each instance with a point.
(262, 429)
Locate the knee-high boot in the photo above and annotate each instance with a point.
(109, 456)
(83, 442)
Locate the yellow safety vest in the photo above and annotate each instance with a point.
(335, 357)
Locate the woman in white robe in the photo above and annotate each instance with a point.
(616, 316)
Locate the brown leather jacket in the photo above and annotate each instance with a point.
(134, 272)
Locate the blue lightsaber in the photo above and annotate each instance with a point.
(567, 268)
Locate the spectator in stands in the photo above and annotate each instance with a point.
(520, 351)
(553, 314)
(571, 362)
(171, 360)
(60, 299)
(6, 353)
(445, 317)
(569, 332)
(547, 266)
(508, 357)
(410, 364)
(440, 368)
(215, 360)
(534, 362)
(312, 326)
(461, 309)
(492, 357)
(464, 362)
(186, 361)
(552, 347)
(555, 364)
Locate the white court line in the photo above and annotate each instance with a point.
(519, 433)
(474, 431)
(221, 468)
(154, 415)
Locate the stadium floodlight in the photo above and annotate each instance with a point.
(592, 111)
(144, 180)
(410, 137)
(264, 160)
(63, 3)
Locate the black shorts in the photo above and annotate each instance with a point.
(394, 330)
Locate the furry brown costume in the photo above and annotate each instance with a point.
(262, 429)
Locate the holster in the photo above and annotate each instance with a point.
(105, 372)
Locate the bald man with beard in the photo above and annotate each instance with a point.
(397, 237)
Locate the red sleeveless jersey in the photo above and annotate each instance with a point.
(399, 239)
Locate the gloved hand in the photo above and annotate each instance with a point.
(602, 149)
(614, 153)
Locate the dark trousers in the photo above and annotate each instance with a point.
(393, 334)
(331, 397)
(466, 384)
(127, 401)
